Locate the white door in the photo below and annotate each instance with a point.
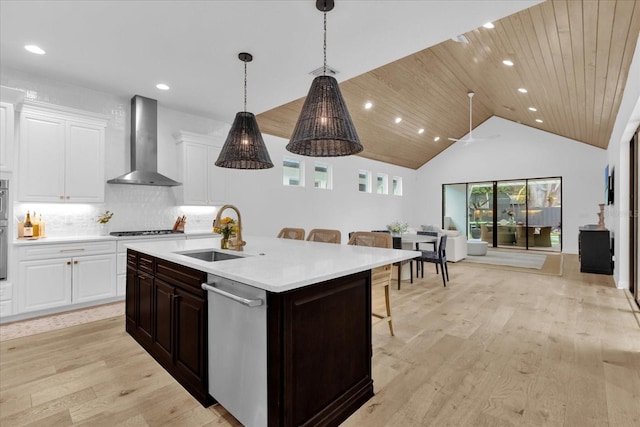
(94, 277)
(42, 153)
(44, 284)
(84, 171)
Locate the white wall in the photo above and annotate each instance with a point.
(267, 206)
(519, 152)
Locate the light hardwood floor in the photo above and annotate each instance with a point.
(494, 348)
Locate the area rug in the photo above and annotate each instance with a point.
(538, 263)
(58, 321)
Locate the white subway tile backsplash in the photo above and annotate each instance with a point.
(134, 207)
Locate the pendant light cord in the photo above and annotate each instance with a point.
(245, 87)
(324, 50)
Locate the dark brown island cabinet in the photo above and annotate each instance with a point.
(595, 250)
(318, 339)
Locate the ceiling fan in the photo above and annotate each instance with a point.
(470, 139)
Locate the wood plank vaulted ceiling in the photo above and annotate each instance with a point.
(572, 56)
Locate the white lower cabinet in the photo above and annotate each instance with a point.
(53, 276)
(6, 298)
(93, 278)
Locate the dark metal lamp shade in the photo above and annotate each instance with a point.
(244, 147)
(324, 128)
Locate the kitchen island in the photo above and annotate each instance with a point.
(300, 352)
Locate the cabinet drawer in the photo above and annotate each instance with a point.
(6, 291)
(6, 308)
(33, 252)
(145, 263)
(127, 241)
(178, 275)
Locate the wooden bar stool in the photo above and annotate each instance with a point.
(291, 233)
(380, 276)
(324, 235)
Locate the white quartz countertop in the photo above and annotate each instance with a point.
(277, 265)
(95, 238)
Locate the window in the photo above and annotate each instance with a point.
(382, 183)
(292, 173)
(364, 181)
(397, 186)
(322, 176)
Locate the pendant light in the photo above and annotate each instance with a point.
(244, 147)
(324, 128)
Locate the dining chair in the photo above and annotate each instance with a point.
(438, 257)
(434, 243)
(397, 244)
(324, 235)
(291, 233)
(380, 276)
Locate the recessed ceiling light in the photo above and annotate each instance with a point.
(162, 86)
(398, 120)
(368, 105)
(522, 90)
(533, 109)
(539, 120)
(35, 49)
(420, 131)
(508, 63)
(460, 39)
(436, 139)
(489, 25)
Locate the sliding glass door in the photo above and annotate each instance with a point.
(522, 214)
(511, 213)
(480, 210)
(544, 213)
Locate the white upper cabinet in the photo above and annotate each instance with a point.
(203, 183)
(6, 135)
(61, 155)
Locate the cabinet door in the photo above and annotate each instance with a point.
(44, 284)
(42, 152)
(94, 277)
(6, 136)
(84, 168)
(196, 169)
(130, 290)
(163, 320)
(191, 339)
(144, 307)
(216, 178)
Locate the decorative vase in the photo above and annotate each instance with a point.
(601, 225)
(104, 229)
(224, 243)
(476, 233)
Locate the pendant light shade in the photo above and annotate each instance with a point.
(244, 147)
(324, 128)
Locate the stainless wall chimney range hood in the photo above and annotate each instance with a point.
(144, 146)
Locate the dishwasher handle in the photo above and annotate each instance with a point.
(244, 301)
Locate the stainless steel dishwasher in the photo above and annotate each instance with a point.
(238, 348)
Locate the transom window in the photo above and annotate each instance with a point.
(292, 173)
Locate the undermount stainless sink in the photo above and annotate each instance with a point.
(210, 255)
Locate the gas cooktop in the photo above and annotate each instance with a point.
(144, 233)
